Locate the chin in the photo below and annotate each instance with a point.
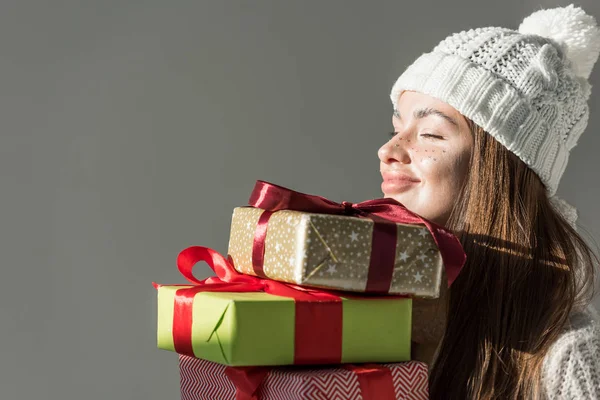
(437, 219)
(395, 196)
(402, 201)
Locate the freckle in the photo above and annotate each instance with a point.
(425, 151)
(435, 159)
(443, 151)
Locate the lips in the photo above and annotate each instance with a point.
(396, 181)
(398, 176)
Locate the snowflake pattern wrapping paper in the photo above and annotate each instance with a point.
(333, 252)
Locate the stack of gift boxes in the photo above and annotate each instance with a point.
(313, 301)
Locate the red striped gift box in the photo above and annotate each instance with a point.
(205, 380)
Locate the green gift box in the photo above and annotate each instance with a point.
(257, 328)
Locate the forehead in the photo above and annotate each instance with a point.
(419, 105)
(413, 99)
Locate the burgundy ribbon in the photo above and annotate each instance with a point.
(318, 314)
(375, 381)
(385, 213)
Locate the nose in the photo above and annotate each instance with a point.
(395, 151)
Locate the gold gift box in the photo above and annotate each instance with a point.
(333, 252)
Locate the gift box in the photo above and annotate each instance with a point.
(332, 251)
(258, 328)
(377, 246)
(204, 380)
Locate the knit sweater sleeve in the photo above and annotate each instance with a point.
(571, 370)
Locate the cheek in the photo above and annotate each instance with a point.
(430, 159)
(439, 167)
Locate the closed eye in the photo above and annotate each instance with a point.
(432, 136)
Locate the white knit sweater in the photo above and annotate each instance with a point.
(571, 369)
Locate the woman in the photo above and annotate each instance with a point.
(483, 126)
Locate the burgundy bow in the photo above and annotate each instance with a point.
(384, 212)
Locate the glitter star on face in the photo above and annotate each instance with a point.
(403, 256)
(331, 269)
(418, 277)
(354, 236)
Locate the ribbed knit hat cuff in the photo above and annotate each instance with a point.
(494, 105)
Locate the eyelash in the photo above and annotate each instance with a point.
(430, 135)
(437, 137)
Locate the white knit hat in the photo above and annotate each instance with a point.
(527, 88)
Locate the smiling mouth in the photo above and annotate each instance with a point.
(397, 175)
(395, 182)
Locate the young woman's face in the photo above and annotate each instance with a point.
(425, 162)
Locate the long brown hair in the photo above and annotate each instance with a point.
(526, 270)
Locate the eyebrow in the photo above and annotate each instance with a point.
(425, 112)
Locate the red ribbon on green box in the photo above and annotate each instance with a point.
(384, 212)
(318, 324)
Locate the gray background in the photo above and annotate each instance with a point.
(131, 129)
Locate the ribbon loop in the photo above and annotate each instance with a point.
(226, 274)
